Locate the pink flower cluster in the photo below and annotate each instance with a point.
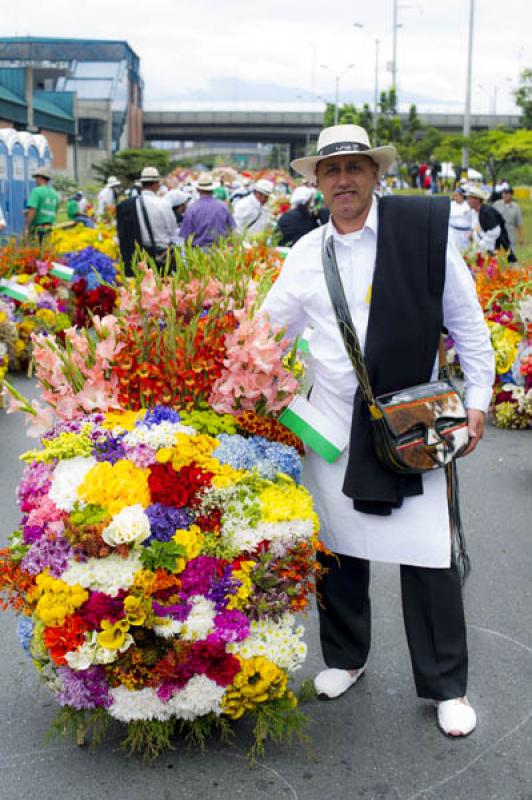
(254, 378)
(78, 379)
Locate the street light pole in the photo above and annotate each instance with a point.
(394, 46)
(376, 90)
(467, 109)
(336, 98)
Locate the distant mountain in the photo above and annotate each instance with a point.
(234, 89)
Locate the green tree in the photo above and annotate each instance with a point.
(491, 152)
(523, 97)
(128, 164)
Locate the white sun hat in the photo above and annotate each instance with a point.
(476, 191)
(344, 140)
(263, 186)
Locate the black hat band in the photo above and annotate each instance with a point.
(341, 147)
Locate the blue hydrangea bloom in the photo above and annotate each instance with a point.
(258, 453)
(95, 267)
(24, 632)
(158, 414)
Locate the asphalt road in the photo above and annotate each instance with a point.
(377, 742)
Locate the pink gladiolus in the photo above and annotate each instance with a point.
(40, 422)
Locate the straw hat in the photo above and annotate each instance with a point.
(112, 181)
(344, 140)
(476, 191)
(205, 183)
(150, 175)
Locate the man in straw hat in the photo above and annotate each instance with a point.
(207, 220)
(395, 262)
(41, 211)
(490, 233)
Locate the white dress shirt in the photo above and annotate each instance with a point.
(461, 224)
(162, 220)
(250, 215)
(106, 197)
(418, 532)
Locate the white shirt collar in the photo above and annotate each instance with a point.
(371, 224)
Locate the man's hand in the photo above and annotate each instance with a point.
(475, 427)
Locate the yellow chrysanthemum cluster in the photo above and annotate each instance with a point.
(113, 635)
(285, 500)
(56, 599)
(199, 449)
(115, 486)
(505, 344)
(259, 681)
(241, 597)
(77, 238)
(66, 445)
(192, 541)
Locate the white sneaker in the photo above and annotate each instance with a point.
(456, 717)
(331, 683)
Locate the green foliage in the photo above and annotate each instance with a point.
(520, 175)
(80, 725)
(348, 115)
(523, 97)
(197, 731)
(491, 152)
(162, 555)
(149, 737)
(128, 164)
(278, 721)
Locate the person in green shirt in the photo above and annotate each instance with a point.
(42, 205)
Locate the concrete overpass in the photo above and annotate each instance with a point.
(293, 127)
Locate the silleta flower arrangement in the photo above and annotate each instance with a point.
(165, 549)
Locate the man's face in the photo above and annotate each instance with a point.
(347, 183)
(507, 197)
(474, 203)
(262, 198)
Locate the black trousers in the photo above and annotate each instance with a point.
(433, 614)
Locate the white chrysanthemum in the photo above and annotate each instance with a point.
(168, 627)
(279, 641)
(90, 652)
(129, 526)
(68, 475)
(107, 575)
(156, 436)
(246, 537)
(200, 621)
(199, 697)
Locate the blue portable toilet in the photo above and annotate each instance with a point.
(17, 185)
(31, 161)
(4, 183)
(45, 156)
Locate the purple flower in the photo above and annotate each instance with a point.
(24, 633)
(52, 552)
(165, 521)
(35, 483)
(108, 447)
(230, 626)
(223, 587)
(141, 455)
(84, 689)
(154, 416)
(178, 611)
(73, 425)
(199, 575)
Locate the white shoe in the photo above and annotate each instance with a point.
(456, 717)
(331, 683)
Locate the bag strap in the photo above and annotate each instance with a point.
(345, 322)
(146, 218)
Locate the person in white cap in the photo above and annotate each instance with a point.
(108, 196)
(251, 213)
(402, 280)
(178, 200)
(461, 220)
(299, 220)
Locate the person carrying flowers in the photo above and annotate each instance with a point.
(402, 281)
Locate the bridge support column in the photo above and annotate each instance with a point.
(296, 149)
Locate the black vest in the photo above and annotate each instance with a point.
(404, 327)
(489, 218)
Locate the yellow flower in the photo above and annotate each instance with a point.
(113, 635)
(241, 597)
(115, 486)
(125, 420)
(56, 599)
(259, 681)
(285, 500)
(164, 455)
(135, 613)
(191, 540)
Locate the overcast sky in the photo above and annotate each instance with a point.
(197, 49)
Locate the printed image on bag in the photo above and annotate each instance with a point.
(426, 427)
